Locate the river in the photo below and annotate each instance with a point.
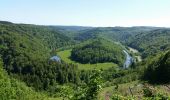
(128, 60)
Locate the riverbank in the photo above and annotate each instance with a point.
(136, 52)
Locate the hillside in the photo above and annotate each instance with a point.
(91, 59)
(152, 42)
(121, 34)
(26, 50)
(51, 38)
(29, 42)
(158, 70)
(98, 51)
(148, 40)
(84, 50)
(10, 88)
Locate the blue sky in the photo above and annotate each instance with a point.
(87, 12)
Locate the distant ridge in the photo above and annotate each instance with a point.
(5, 22)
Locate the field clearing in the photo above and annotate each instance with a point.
(134, 51)
(64, 55)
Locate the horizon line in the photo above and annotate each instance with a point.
(73, 25)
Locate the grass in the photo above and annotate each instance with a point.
(65, 56)
(136, 88)
(123, 89)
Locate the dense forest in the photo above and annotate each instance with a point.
(11, 88)
(158, 70)
(27, 73)
(98, 51)
(25, 51)
(152, 42)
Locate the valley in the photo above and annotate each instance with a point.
(84, 50)
(66, 54)
(84, 63)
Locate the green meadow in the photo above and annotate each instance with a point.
(65, 56)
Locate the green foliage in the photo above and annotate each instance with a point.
(62, 91)
(147, 92)
(148, 40)
(11, 89)
(151, 94)
(65, 56)
(45, 75)
(152, 42)
(98, 51)
(121, 34)
(94, 85)
(155, 97)
(25, 51)
(159, 69)
(120, 97)
(118, 76)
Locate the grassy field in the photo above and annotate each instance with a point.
(64, 55)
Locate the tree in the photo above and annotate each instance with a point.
(94, 85)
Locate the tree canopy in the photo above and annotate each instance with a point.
(98, 51)
(158, 70)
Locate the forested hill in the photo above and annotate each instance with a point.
(28, 42)
(11, 88)
(25, 51)
(152, 42)
(158, 70)
(113, 33)
(70, 31)
(148, 40)
(98, 51)
(48, 37)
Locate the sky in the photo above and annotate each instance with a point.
(104, 13)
